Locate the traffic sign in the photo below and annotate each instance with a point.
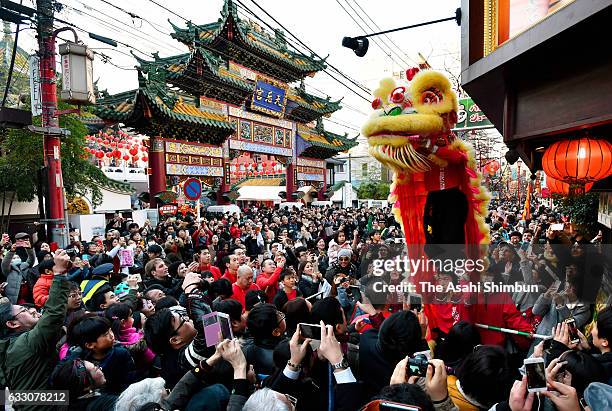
(192, 189)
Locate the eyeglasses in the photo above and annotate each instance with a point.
(30, 310)
(184, 318)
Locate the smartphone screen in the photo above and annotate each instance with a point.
(536, 375)
(311, 331)
(573, 330)
(557, 227)
(226, 328)
(416, 302)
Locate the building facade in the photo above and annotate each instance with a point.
(233, 112)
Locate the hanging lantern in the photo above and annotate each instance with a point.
(578, 161)
(120, 145)
(109, 154)
(264, 164)
(117, 154)
(126, 157)
(143, 148)
(133, 151)
(134, 158)
(145, 158)
(100, 154)
(273, 164)
(564, 189)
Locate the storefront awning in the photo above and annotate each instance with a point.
(259, 182)
(260, 193)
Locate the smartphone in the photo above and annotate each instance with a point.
(135, 276)
(536, 374)
(394, 406)
(557, 227)
(416, 302)
(573, 330)
(85, 257)
(311, 331)
(217, 327)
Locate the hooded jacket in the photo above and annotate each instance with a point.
(27, 359)
(14, 274)
(41, 289)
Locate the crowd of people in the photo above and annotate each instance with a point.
(119, 321)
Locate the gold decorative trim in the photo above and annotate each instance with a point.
(490, 26)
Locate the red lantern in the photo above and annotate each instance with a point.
(99, 140)
(133, 151)
(578, 161)
(100, 154)
(143, 148)
(126, 157)
(264, 164)
(120, 145)
(109, 154)
(145, 158)
(559, 187)
(273, 164)
(134, 158)
(117, 154)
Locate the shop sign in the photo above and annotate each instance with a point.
(270, 97)
(470, 117)
(168, 209)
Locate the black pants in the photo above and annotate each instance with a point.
(444, 221)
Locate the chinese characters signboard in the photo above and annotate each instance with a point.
(270, 97)
(470, 117)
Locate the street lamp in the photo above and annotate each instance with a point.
(360, 44)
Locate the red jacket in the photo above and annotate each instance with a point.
(41, 289)
(498, 309)
(269, 284)
(444, 315)
(239, 294)
(229, 276)
(235, 232)
(214, 270)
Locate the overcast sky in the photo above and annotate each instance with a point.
(320, 24)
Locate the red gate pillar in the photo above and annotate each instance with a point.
(321, 192)
(157, 169)
(290, 179)
(224, 187)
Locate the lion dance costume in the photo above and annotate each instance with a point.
(437, 195)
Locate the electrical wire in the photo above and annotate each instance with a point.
(247, 51)
(372, 30)
(385, 35)
(12, 64)
(368, 91)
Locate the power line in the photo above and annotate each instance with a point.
(376, 41)
(379, 29)
(302, 43)
(339, 81)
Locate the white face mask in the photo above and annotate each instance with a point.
(16, 260)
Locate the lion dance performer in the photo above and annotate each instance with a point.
(437, 195)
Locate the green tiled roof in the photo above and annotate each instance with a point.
(323, 144)
(309, 107)
(249, 45)
(199, 73)
(152, 109)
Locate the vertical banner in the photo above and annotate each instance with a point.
(227, 173)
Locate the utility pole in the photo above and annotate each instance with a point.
(52, 158)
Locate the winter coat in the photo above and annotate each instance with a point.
(27, 359)
(15, 274)
(41, 289)
(135, 343)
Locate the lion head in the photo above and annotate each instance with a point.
(408, 118)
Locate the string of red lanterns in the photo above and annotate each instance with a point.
(120, 146)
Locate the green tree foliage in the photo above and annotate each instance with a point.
(22, 160)
(582, 210)
(374, 190)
